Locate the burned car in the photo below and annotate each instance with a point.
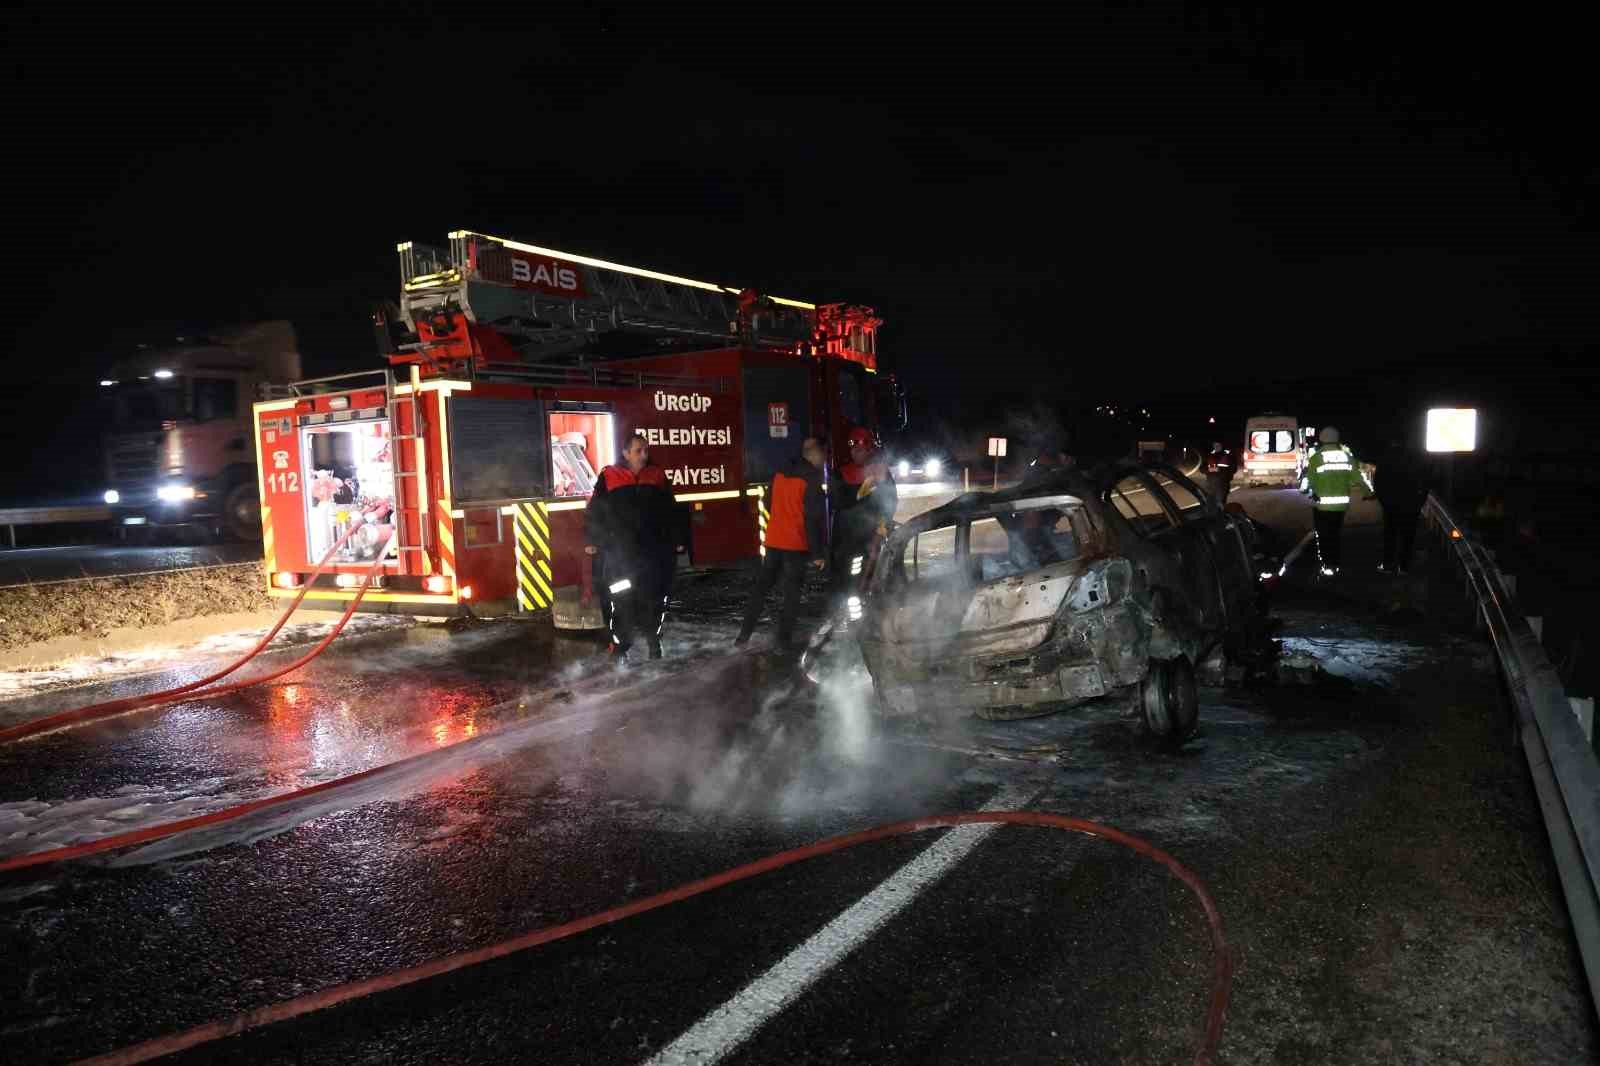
(1066, 588)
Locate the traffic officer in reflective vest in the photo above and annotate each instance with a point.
(1332, 478)
(796, 526)
(633, 531)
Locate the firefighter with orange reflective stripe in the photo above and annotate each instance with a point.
(1332, 478)
(796, 531)
(632, 532)
(864, 501)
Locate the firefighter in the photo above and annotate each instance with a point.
(632, 529)
(864, 500)
(796, 524)
(1219, 472)
(1332, 478)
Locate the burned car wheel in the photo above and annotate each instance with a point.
(1170, 702)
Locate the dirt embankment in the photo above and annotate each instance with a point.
(95, 606)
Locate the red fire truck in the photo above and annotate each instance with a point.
(514, 374)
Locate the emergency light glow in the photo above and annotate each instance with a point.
(285, 580)
(106, 383)
(1452, 429)
(163, 374)
(904, 469)
(436, 584)
(466, 592)
(113, 496)
(175, 493)
(933, 467)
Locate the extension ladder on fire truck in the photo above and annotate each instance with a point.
(552, 303)
(403, 513)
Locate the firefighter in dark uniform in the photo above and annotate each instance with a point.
(864, 498)
(796, 524)
(634, 531)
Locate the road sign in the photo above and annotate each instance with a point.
(997, 446)
(1452, 429)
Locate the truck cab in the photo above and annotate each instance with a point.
(179, 448)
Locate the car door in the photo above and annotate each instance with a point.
(1229, 552)
(1192, 570)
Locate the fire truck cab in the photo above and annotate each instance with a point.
(514, 375)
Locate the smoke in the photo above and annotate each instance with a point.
(709, 730)
(754, 740)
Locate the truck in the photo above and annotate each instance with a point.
(513, 374)
(178, 448)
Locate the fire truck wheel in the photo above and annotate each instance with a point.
(241, 513)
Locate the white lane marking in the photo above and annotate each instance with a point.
(722, 1031)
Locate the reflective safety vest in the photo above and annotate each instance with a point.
(786, 528)
(1333, 477)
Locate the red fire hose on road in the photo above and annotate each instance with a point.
(96, 711)
(1216, 1010)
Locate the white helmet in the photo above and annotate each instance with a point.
(1329, 435)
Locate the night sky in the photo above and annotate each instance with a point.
(1179, 205)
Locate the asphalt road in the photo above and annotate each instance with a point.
(24, 565)
(1377, 858)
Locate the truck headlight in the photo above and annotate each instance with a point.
(933, 466)
(904, 469)
(174, 493)
(113, 496)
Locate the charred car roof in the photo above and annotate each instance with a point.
(1074, 483)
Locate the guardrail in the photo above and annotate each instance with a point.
(43, 516)
(1562, 759)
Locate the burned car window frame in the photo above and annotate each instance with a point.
(1205, 503)
(1169, 510)
(900, 573)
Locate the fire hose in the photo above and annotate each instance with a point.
(1216, 1008)
(197, 689)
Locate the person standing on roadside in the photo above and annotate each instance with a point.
(1401, 485)
(1332, 478)
(1219, 472)
(864, 498)
(633, 533)
(796, 525)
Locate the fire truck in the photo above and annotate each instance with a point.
(514, 373)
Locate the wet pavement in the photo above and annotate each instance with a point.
(1370, 837)
(23, 566)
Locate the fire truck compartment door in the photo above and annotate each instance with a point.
(777, 417)
(499, 449)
